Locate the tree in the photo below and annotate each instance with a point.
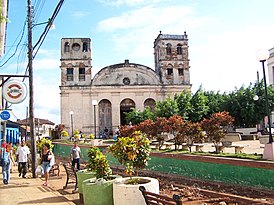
(214, 101)
(216, 127)
(246, 111)
(166, 108)
(199, 106)
(137, 116)
(183, 101)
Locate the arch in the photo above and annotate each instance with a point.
(69, 74)
(85, 47)
(82, 72)
(150, 103)
(169, 69)
(105, 116)
(179, 49)
(181, 69)
(66, 47)
(168, 49)
(125, 106)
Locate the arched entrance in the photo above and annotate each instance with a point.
(150, 103)
(105, 116)
(125, 106)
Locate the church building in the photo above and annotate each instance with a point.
(91, 104)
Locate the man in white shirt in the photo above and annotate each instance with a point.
(22, 154)
(75, 155)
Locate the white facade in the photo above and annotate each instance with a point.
(118, 88)
(270, 64)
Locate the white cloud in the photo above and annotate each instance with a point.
(46, 64)
(128, 2)
(228, 60)
(80, 14)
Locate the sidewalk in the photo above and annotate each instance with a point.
(31, 191)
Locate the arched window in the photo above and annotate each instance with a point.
(66, 48)
(168, 49)
(179, 49)
(170, 70)
(69, 74)
(82, 74)
(181, 70)
(85, 47)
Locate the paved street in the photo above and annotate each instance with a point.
(31, 191)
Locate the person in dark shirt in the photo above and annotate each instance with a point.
(47, 158)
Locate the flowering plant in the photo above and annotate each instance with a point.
(42, 142)
(132, 151)
(98, 163)
(91, 136)
(64, 133)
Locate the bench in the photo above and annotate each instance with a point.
(158, 199)
(168, 145)
(238, 148)
(54, 168)
(198, 147)
(71, 176)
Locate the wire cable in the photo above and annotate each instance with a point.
(22, 35)
(47, 28)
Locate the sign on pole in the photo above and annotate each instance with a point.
(5, 115)
(14, 91)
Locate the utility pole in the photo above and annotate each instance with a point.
(31, 107)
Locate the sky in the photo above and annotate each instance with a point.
(224, 36)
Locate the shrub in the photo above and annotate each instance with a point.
(98, 163)
(132, 151)
(41, 144)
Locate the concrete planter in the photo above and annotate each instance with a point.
(96, 142)
(83, 175)
(125, 194)
(98, 193)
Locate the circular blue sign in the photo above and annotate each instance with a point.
(5, 115)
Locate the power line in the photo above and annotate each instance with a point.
(47, 28)
(22, 35)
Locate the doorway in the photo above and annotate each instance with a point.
(125, 106)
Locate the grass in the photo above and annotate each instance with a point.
(222, 154)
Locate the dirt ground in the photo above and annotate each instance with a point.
(192, 191)
(199, 192)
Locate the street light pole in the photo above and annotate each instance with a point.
(262, 57)
(270, 140)
(71, 122)
(94, 103)
(31, 107)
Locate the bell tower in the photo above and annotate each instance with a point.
(75, 61)
(171, 59)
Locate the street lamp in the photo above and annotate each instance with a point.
(94, 103)
(262, 56)
(71, 122)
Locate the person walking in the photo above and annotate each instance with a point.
(75, 155)
(22, 154)
(8, 160)
(9, 147)
(47, 162)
